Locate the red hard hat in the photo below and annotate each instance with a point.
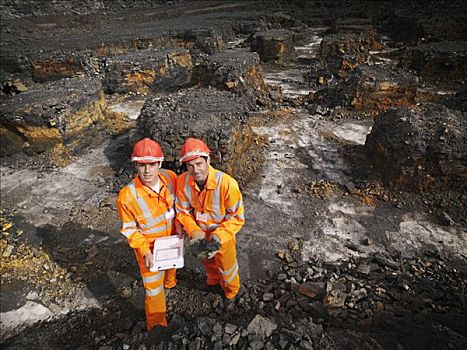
(147, 151)
(194, 148)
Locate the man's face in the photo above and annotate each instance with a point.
(198, 168)
(147, 173)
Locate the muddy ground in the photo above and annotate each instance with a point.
(333, 254)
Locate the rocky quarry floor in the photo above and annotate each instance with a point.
(344, 123)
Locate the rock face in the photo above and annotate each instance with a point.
(238, 71)
(217, 117)
(336, 48)
(414, 148)
(148, 70)
(371, 89)
(274, 45)
(62, 112)
(57, 66)
(438, 61)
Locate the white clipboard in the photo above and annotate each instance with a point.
(167, 253)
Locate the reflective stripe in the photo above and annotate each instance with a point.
(129, 224)
(153, 221)
(233, 275)
(142, 205)
(229, 270)
(128, 232)
(236, 206)
(155, 291)
(194, 153)
(240, 216)
(154, 230)
(147, 159)
(218, 216)
(154, 278)
(183, 203)
(210, 227)
(169, 181)
(188, 188)
(186, 211)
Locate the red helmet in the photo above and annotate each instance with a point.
(194, 148)
(147, 151)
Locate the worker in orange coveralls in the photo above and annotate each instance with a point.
(146, 207)
(209, 205)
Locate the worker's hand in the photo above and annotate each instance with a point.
(214, 246)
(196, 237)
(210, 248)
(179, 230)
(148, 260)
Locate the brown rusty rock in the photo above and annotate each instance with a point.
(236, 71)
(59, 112)
(274, 45)
(371, 89)
(148, 70)
(51, 68)
(335, 46)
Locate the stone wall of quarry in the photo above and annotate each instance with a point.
(415, 148)
(65, 112)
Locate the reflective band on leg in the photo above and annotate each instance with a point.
(233, 275)
(235, 265)
(155, 278)
(155, 291)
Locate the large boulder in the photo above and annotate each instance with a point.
(236, 71)
(149, 70)
(443, 61)
(335, 48)
(218, 117)
(274, 45)
(415, 148)
(371, 89)
(62, 112)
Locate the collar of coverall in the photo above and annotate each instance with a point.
(142, 190)
(211, 183)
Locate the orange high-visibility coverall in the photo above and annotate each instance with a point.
(217, 209)
(147, 215)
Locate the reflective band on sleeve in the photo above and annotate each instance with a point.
(240, 216)
(183, 203)
(188, 212)
(129, 224)
(236, 206)
(154, 278)
(209, 228)
(128, 232)
(155, 291)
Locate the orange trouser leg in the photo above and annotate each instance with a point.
(170, 279)
(223, 269)
(154, 300)
(214, 277)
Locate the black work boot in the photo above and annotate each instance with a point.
(206, 288)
